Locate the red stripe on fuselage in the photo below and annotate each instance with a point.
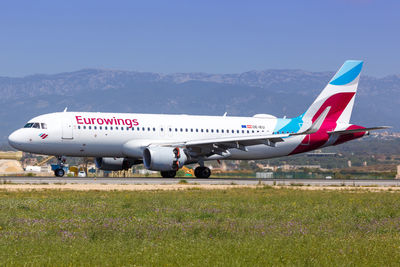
(338, 103)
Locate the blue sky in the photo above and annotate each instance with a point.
(198, 36)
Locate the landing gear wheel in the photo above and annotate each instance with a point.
(59, 172)
(202, 172)
(168, 174)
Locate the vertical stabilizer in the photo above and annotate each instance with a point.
(339, 95)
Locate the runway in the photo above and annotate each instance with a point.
(209, 181)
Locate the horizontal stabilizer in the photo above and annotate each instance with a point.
(360, 130)
(316, 124)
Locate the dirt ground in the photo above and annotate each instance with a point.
(131, 187)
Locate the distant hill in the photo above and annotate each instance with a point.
(277, 92)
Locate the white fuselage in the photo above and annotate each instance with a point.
(87, 134)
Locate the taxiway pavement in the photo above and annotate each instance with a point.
(209, 181)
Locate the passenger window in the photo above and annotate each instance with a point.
(206, 130)
(143, 128)
(217, 131)
(84, 127)
(176, 129)
(154, 129)
(95, 127)
(105, 127)
(79, 126)
(197, 130)
(44, 125)
(181, 130)
(222, 131)
(242, 131)
(133, 128)
(111, 128)
(148, 129)
(237, 131)
(212, 130)
(191, 130)
(202, 130)
(90, 127)
(186, 129)
(101, 128)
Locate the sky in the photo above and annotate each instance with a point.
(198, 36)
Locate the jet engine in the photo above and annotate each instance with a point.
(115, 164)
(164, 158)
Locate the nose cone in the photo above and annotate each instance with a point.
(16, 139)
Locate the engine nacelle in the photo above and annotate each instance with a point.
(115, 164)
(164, 158)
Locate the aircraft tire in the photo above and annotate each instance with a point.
(59, 172)
(168, 174)
(202, 172)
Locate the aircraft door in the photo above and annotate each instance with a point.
(67, 127)
(306, 141)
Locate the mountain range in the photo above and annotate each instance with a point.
(277, 92)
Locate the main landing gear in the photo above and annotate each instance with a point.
(199, 172)
(202, 172)
(59, 171)
(168, 174)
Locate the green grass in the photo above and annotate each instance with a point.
(236, 227)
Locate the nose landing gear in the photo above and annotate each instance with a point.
(59, 169)
(59, 172)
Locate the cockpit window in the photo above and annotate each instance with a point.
(35, 125)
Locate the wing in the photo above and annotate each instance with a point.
(221, 145)
(239, 142)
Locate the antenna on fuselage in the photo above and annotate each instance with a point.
(225, 114)
(65, 109)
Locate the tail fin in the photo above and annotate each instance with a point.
(339, 95)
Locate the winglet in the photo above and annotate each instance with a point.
(317, 123)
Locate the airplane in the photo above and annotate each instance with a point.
(166, 143)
